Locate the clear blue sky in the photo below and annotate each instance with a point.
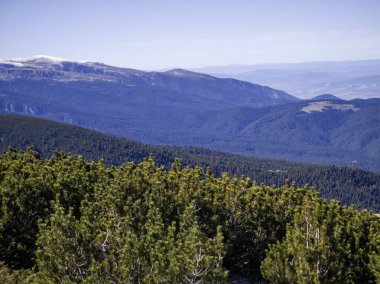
(159, 33)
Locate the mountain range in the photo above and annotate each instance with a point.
(346, 79)
(181, 107)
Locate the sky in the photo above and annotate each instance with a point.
(159, 34)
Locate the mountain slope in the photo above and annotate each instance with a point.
(327, 131)
(54, 80)
(123, 101)
(351, 186)
(180, 107)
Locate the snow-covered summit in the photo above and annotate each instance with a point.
(61, 69)
(44, 60)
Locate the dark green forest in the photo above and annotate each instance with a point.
(349, 185)
(67, 220)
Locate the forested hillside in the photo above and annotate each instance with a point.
(325, 131)
(65, 220)
(349, 185)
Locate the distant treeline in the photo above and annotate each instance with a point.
(349, 185)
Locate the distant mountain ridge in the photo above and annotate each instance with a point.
(116, 100)
(346, 79)
(325, 97)
(181, 107)
(173, 82)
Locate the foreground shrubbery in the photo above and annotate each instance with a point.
(64, 220)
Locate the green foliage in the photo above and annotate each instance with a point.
(25, 192)
(375, 250)
(67, 220)
(326, 243)
(126, 234)
(350, 186)
(15, 276)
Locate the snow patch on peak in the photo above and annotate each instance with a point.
(322, 106)
(48, 58)
(35, 61)
(10, 62)
(38, 58)
(39, 61)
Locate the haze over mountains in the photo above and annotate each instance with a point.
(181, 107)
(345, 79)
